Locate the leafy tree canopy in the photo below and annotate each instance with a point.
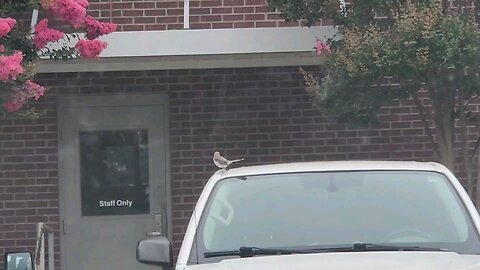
(401, 49)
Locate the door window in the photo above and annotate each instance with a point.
(114, 172)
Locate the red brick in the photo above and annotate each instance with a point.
(106, 14)
(162, 4)
(197, 11)
(254, 17)
(143, 20)
(122, 20)
(222, 10)
(166, 19)
(155, 27)
(222, 25)
(200, 25)
(98, 6)
(234, 2)
(174, 26)
(133, 12)
(210, 18)
(138, 16)
(243, 24)
(211, 3)
(194, 4)
(122, 5)
(232, 17)
(255, 2)
(155, 12)
(176, 11)
(143, 5)
(261, 9)
(244, 10)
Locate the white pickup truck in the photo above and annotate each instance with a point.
(328, 215)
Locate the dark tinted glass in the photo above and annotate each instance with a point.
(114, 172)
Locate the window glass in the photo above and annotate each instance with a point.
(114, 172)
(336, 209)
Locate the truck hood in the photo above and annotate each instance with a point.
(355, 260)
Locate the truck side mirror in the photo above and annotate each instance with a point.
(18, 261)
(157, 250)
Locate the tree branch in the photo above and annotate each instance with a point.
(475, 148)
(428, 130)
(446, 6)
(476, 6)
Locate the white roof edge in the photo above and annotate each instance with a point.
(182, 62)
(214, 41)
(195, 49)
(331, 166)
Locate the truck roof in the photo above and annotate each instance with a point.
(320, 166)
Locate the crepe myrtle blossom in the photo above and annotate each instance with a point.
(20, 95)
(70, 11)
(17, 71)
(11, 106)
(96, 29)
(90, 49)
(11, 66)
(6, 25)
(44, 35)
(83, 3)
(46, 4)
(322, 47)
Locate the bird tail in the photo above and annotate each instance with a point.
(236, 160)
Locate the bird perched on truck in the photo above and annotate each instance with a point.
(222, 162)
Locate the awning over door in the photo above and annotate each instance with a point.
(207, 48)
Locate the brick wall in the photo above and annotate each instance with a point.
(28, 180)
(262, 114)
(134, 15)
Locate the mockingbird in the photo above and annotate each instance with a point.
(222, 162)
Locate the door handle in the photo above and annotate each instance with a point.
(154, 234)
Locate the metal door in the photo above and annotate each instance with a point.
(113, 172)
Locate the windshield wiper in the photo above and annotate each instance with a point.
(375, 247)
(367, 247)
(244, 252)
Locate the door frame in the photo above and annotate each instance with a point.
(108, 100)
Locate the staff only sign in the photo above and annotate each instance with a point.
(115, 203)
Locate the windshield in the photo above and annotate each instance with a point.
(335, 209)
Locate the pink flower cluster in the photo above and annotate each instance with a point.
(90, 49)
(22, 94)
(95, 28)
(72, 11)
(11, 66)
(6, 25)
(83, 3)
(322, 48)
(44, 35)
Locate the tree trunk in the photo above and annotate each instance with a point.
(477, 190)
(467, 161)
(447, 155)
(444, 126)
